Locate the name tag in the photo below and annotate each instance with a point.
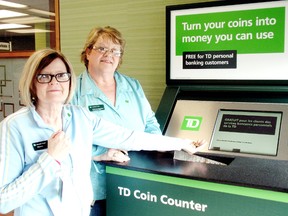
(40, 145)
(96, 107)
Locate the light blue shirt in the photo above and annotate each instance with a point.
(30, 179)
(132, 110)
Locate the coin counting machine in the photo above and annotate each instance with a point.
(231, 91)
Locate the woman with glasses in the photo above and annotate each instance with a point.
(107, 93)
(45, 147)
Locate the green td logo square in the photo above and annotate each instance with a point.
(191, 123)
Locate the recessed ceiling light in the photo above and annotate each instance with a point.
(27, 20)
(13, 26)
(26, 31)
(11, 4)
(8, 13)
(42, 12)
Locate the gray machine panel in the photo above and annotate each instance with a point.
(202, 118)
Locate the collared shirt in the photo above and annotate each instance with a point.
(132, 110)
(31, 180)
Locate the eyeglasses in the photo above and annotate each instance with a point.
(47, 78)
(115, 52)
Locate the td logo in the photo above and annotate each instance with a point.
(191, 123)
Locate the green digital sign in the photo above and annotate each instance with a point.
(247, 31)
(227, 42)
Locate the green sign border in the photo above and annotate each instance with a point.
(223, 188)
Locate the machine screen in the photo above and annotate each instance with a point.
(255, 132)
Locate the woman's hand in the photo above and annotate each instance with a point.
(113, 155)
(195, 146)
(59, 146)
